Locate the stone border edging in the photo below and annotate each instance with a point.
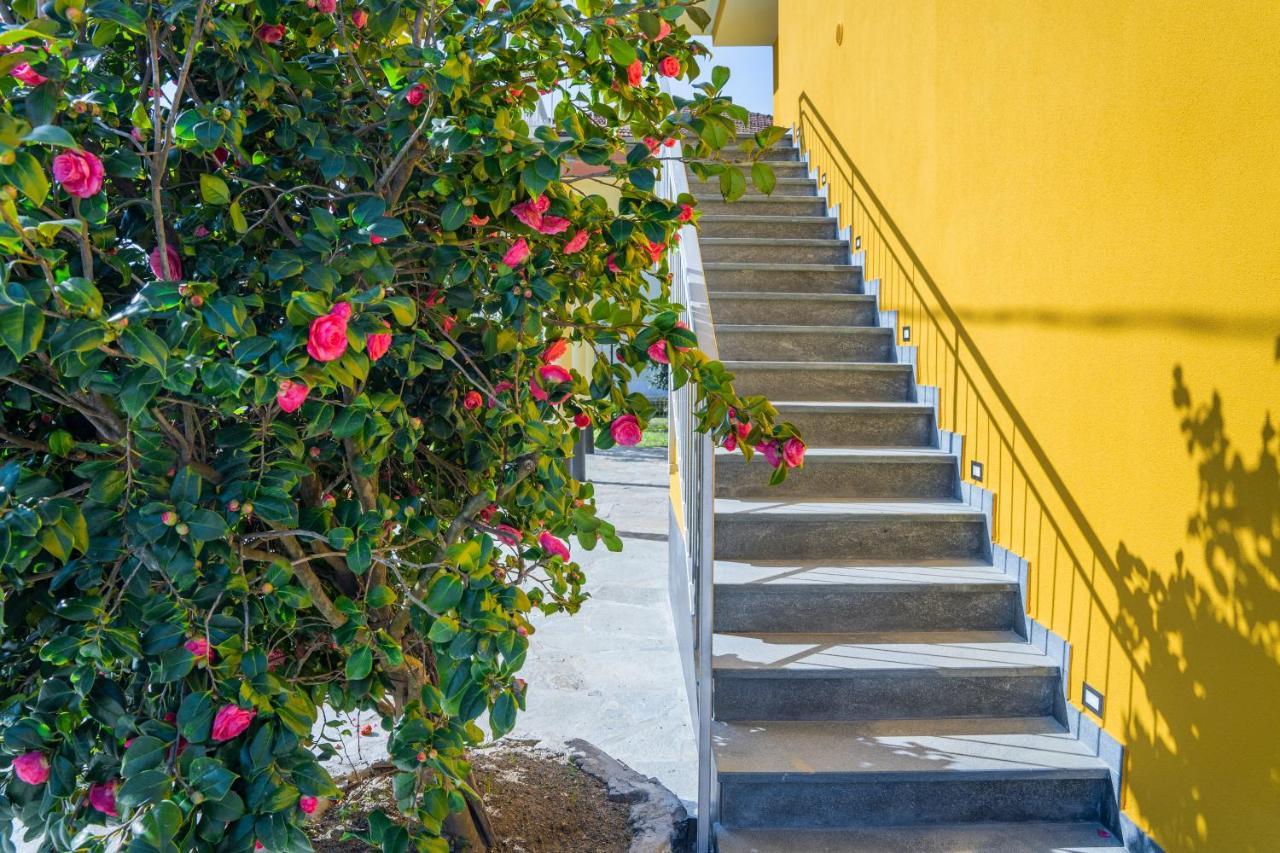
(658, 819)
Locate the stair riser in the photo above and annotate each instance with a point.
(830, 608)
(782, 186)
(731, 310)
(784, 281)
(864, 344)
(781, 229)
(768, 253)
(897, 695)
(864, 429)
(838, 479)
(785, 801)
(766, 536)
(758, 206)
(825, 386)
(734, 153)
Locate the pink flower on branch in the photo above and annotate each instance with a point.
(327, 338)
(658, 352)
(171, 268)
(377, 344)
(102, 797)
(231, 721)
(626, 430)
(793, 452)
(24, 73)
(576, 243)
(517, 254)
(549, 375)
(32, 767)
(553, 546)
(79, 172)
(290, 394)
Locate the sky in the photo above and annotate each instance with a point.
(750, 74)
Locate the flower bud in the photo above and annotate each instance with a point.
(182, 529)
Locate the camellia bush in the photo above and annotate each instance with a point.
(287, 295)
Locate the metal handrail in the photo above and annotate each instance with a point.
(692, 534)
(971, 403)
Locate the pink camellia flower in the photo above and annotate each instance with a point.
(582, 420)
(327, 6)
(136, 134)
(656, 251)
(79, 172)
(24, 73)
(549, 374)
(769, 450)
(472, 401)
(635, 73)
(290, 394)
(744, 430)
(32, 767)
(530, 211)
(230, 721)
(555, 350)
(171, 268)
(686, 213)
(517, 254)
(377, 240)
(417, 94)
(669, 66)
(377, 344)
(652, 144)
(553, 225)
(576, 243)
(199, 647)
(271, 33)
(327, 338)
(670, 142)
(447, 324)
(730, 442)
(658, 352)
(275, 657)
(308, 804)
(612, 264)
(102, 796)
(477, 220)
(793, 452)
(553, 546)
(359, 18)
(664, 30)
(626, 430)
(201, 231)
(507, 535)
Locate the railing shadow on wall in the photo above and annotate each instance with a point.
(1033, 514)
(1189, 667)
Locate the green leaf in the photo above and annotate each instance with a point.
(238, 221)
(145, 753)
(360, 664)
(146, 346)
(444, 593)
(732, 184)
(206, 525)
(51, 134)
(28, 176)
(195, 717)
(454, 215)
(150, 786)
(210, 778)
(381, 596)
(114, 10)
(214, 190)
(762, 176)
(621, 51)
(21, 327)
(719, 76)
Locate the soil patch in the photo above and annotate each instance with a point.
(538, 803)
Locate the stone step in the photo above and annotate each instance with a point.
(834, 598)
(783, 186)
(774, 205)
(961, 838)
(793, 309)
(805, 343)
(905, 773)
(782, 150)
(779, 227)
(761, 250)
(885, 382)
(907, 530)
(825, 424)
(840, 473)
(738, 276)
(815, 677)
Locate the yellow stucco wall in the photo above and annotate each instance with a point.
(1095, 186)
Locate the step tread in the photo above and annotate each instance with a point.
(764, 328)
(866, 454)
(965, 838)
(836, 366)
(767, 218)
(865, 575)
(777, 267)
(783, 296)
(919, 748)
(924, 652)
(717, 198)
(910, 508)
(781, 242)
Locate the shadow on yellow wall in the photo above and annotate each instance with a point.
(1211, 654)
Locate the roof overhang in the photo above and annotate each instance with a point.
(743, 22)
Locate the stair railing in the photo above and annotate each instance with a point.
(692, 527)
(1033, 514)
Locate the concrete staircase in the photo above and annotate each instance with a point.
(873, 688)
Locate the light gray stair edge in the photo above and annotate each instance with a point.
(1100, 742)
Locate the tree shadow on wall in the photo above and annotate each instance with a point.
(1208, 773)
